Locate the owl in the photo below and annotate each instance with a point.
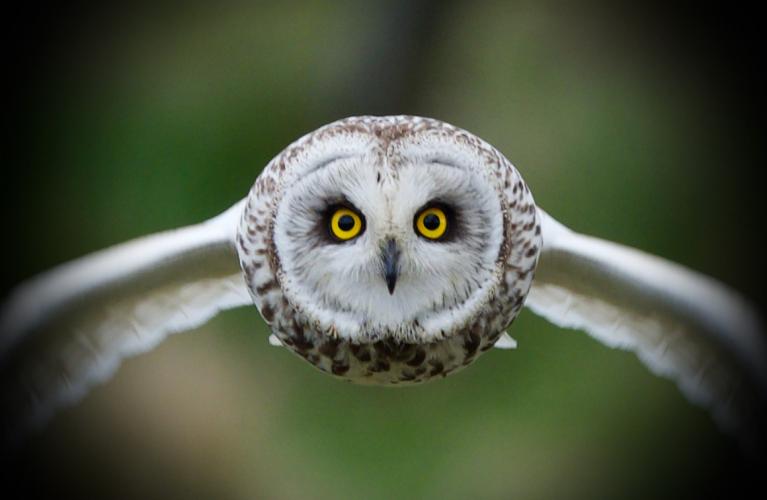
(382, 250)
(389, 250)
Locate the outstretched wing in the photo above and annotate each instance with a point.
(681, 324)
(69, 328)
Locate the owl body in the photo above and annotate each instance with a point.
(389, 305)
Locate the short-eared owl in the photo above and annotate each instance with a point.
(382, 250)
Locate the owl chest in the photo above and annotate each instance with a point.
(387, 361)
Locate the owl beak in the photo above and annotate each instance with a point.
(390, 259)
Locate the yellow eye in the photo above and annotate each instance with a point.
(345, 224)
(431, 223)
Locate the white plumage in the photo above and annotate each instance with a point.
(683, 325)
(68, 329)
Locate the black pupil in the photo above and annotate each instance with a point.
(346, 223)
(431, 222)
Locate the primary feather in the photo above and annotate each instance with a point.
(68, 329)
(682, 325)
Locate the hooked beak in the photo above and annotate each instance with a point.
(390, 258)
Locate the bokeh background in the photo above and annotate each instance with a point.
(638, 124)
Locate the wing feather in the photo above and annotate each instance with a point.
(683, 325)
(68, 329)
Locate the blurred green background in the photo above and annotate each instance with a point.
(627, 123)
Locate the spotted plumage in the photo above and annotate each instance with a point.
(383, 151)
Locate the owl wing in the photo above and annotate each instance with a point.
(69, 328)
(682, 325)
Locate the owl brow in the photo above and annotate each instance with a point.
(325, 162)
(332, 202)
(444, 162)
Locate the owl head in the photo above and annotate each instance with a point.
(398, 227)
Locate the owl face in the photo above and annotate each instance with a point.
(389, 249)
(402, 244)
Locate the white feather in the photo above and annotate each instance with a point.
(505, 342)
(69, 328)
(274, 341)
(682, 325)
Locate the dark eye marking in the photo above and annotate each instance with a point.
(436, 221)
(341, 222)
